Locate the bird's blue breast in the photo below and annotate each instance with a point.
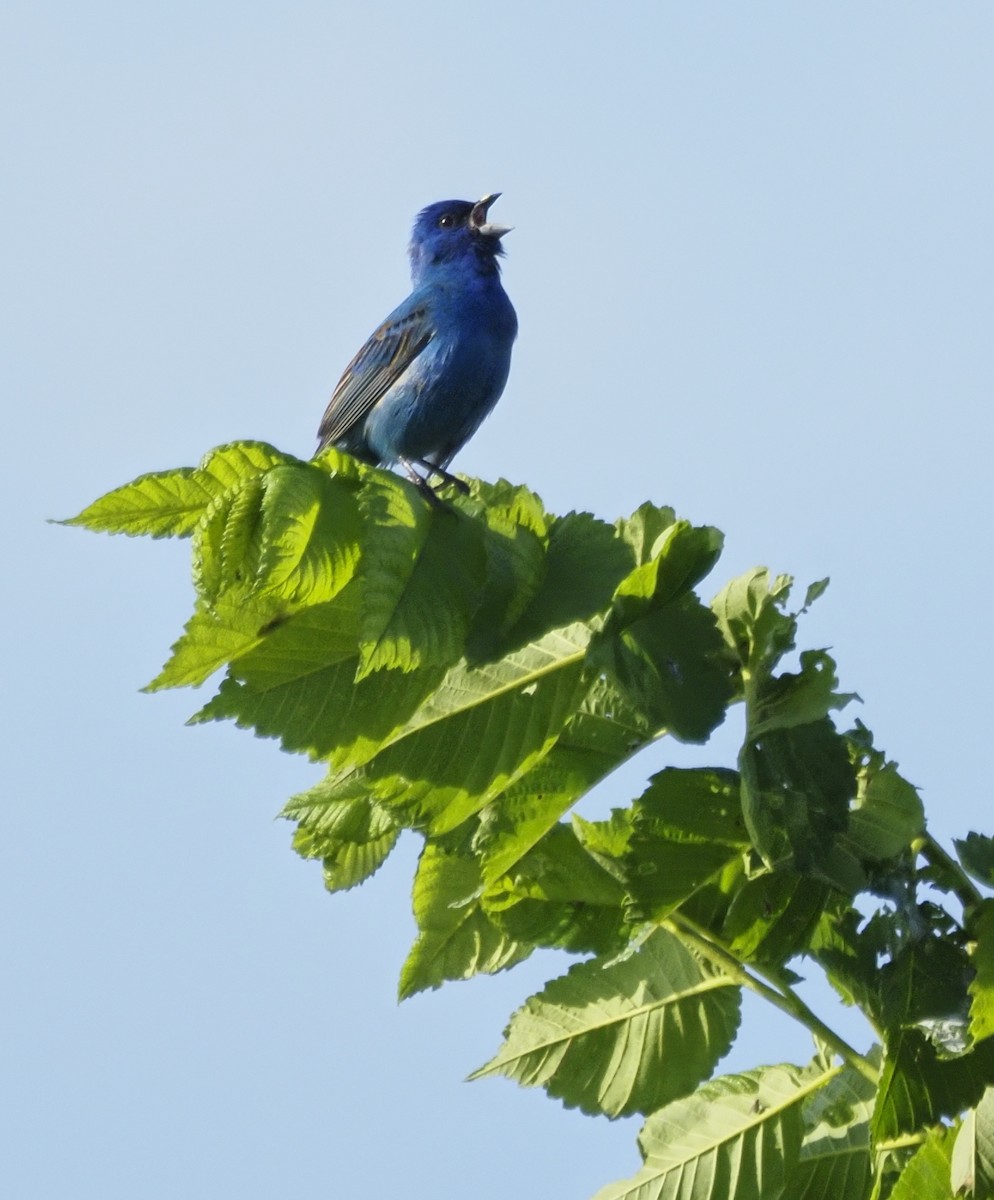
(454, 383)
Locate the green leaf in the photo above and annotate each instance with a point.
(737, 1138)
(310, 535)
(584, 564)
(170, 503)
(455, 937)
(298, 685)
(422, 573)
(516, 539)
(835, 1157)
(265, 547)
(353, 841)
(796, 787)
(559, 895)
(848, 955)
(625, 1036)
(888, 815)
(216, 634)
(801, 698)
(972, 1162)
(598, 737)
(981, 987)
(670, 665)
(679, 558)
(976, 853)
(927, 1175)
(751, 618)
(815, 590)
(773, 915)
(607, 841)
(926, 980)
(918, 1087)
(645, 530)
(687, 826)
(445, 763)
(227, 542)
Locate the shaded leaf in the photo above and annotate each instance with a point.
(888, 815)
(773, 915)
(601, 734)
(559, 895)
(422, 573)
(797, 698)
(919, 1088)
(925, 980)
(976, 853)
(670, 665)
(687, 826)
(849, 956)
(515, 544)
(583, 565)
(796, 787)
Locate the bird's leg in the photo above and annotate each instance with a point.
(444, 475)
(422, 484)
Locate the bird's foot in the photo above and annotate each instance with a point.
(447, 478)
(422, 484)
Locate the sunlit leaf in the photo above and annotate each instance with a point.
(981, 987)
(455, 937)
(835, 1157)
(626, 1036)
(927, 1175)
(972, 1162)
(353, 842)
(170, 503)
(737, 1138)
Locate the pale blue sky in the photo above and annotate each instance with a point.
(753, 264)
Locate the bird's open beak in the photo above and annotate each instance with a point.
(478, 218)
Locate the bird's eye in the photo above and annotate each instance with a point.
(447, 220)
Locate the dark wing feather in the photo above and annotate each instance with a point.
(381, 361)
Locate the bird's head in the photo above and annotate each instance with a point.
(456, 229)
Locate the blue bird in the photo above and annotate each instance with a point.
(428, 376)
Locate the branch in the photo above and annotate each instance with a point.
(785, 999)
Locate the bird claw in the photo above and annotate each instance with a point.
(425, 488)
(422, 484)
(453, 480)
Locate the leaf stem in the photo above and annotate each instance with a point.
(783, 996)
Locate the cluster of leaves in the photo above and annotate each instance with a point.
(470, 672)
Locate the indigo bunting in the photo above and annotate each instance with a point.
(426, 378)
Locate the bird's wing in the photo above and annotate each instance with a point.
(380, 362)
